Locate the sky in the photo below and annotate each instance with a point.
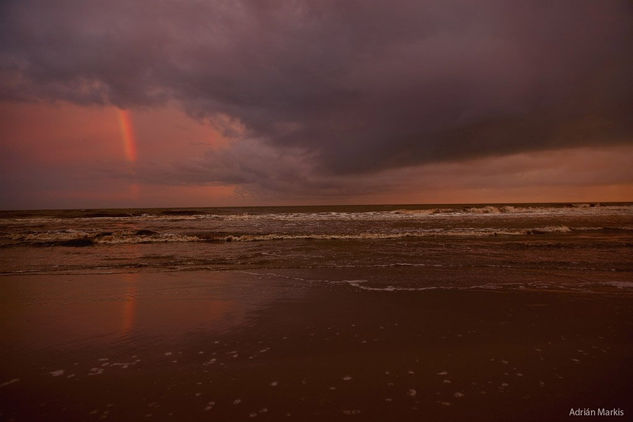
(222, 103)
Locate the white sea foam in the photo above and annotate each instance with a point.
(619, 284)
(351, 412)
(152, 238)
(583, 287)
(95, 371)
(359, 284)
(124, 237)
(11, 381)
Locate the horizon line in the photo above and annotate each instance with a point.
(591, 203)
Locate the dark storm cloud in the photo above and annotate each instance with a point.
(356, 86)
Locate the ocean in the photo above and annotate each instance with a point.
(387, 312)
(589, 245)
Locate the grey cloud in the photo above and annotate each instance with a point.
(257, 167)
(355, 86)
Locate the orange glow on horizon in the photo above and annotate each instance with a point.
(127, 132)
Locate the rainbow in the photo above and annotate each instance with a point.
(127, 132)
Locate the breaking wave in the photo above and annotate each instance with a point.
(81, 238)
(77, 238)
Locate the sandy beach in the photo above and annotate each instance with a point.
(291, 346)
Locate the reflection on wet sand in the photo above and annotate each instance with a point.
(129, 303)
(60, 311)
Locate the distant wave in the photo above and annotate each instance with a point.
(69, 237)
(412, 214)
(245, 214)
(488, 210)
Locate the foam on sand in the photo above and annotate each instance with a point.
(11, 381)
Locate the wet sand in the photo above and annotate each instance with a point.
(237, 346)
